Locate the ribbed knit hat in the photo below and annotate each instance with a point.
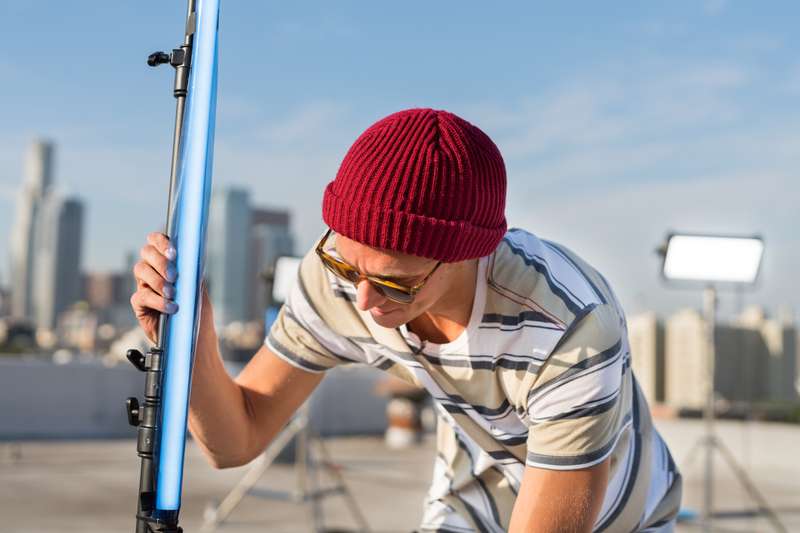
(422, 182)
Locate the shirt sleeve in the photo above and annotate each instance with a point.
(301, 337)
(577, 407)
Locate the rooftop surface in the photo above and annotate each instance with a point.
(90, 486)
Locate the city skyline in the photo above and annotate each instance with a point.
(651, 118)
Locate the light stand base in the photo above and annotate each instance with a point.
(310, 456)
(763, 508)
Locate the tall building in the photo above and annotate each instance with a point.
(646, 337)
(271, 238)
(45, 243)
(685, 359)
(36, 185)
(243, 243)
(777, 338)
(57, 269)
(227, 254)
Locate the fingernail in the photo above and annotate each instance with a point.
(171, 307)
(169, 291)
(171, 253)
(171, 273)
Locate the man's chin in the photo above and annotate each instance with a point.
(392, 319)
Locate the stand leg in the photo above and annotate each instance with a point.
(316, 494)
(691, 455)
(348, 496)
(749, 486)
(252, 476)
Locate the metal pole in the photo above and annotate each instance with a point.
(709, 307)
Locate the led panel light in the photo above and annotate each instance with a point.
(285, 277)
(710, 258)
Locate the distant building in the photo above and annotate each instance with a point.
(756, 359)
(102, 290)
(36, 185)
(778, 339)
(242, 245)
(646, 337)
(57, 274)
(685, 363)
(45, 244)
(227, 254)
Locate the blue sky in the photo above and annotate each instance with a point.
(617, 122)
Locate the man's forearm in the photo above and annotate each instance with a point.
(218, 417)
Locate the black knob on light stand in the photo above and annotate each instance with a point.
(132, 407)
(157, 58)
(137, 359)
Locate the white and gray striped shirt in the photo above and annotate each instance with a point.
(541, 376)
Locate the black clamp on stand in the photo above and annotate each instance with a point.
(147, 416)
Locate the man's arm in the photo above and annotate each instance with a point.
(559, 501)
(234, 420)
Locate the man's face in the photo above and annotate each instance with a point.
(401, 268)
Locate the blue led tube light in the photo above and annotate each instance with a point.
(189, 212)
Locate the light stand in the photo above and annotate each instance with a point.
(707, 259)
(145, 417)
(162, 418)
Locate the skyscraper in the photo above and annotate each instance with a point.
(45, 243)
(57, 274)
(227, 254)
(242, 243)
(35, 186)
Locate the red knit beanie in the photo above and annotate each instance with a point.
(422, 182)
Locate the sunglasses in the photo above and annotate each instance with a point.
(397, 292)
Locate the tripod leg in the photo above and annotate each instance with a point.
(693, 451)
(252, 476)
(749, 486)
(316, 494)
(348, 496)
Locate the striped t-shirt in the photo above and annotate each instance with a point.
(541, 376)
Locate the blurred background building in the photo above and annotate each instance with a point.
(53, 305)
(756, 360)
(46, 242)
(243, 243)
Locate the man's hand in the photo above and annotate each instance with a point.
(155, 276)
(559, 501)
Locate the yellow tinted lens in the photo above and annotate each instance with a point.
(393, 293)
(340, 269)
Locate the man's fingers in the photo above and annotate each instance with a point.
(146, 275)
(162, 244)
(164, 267)
(146, 298)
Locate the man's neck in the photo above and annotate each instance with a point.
(449, 317)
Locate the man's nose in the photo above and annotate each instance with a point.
(367, 296)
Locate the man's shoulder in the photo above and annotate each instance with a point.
(531, 273)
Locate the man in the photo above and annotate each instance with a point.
(521, 343)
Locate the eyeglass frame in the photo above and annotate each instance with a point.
(375, 281)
